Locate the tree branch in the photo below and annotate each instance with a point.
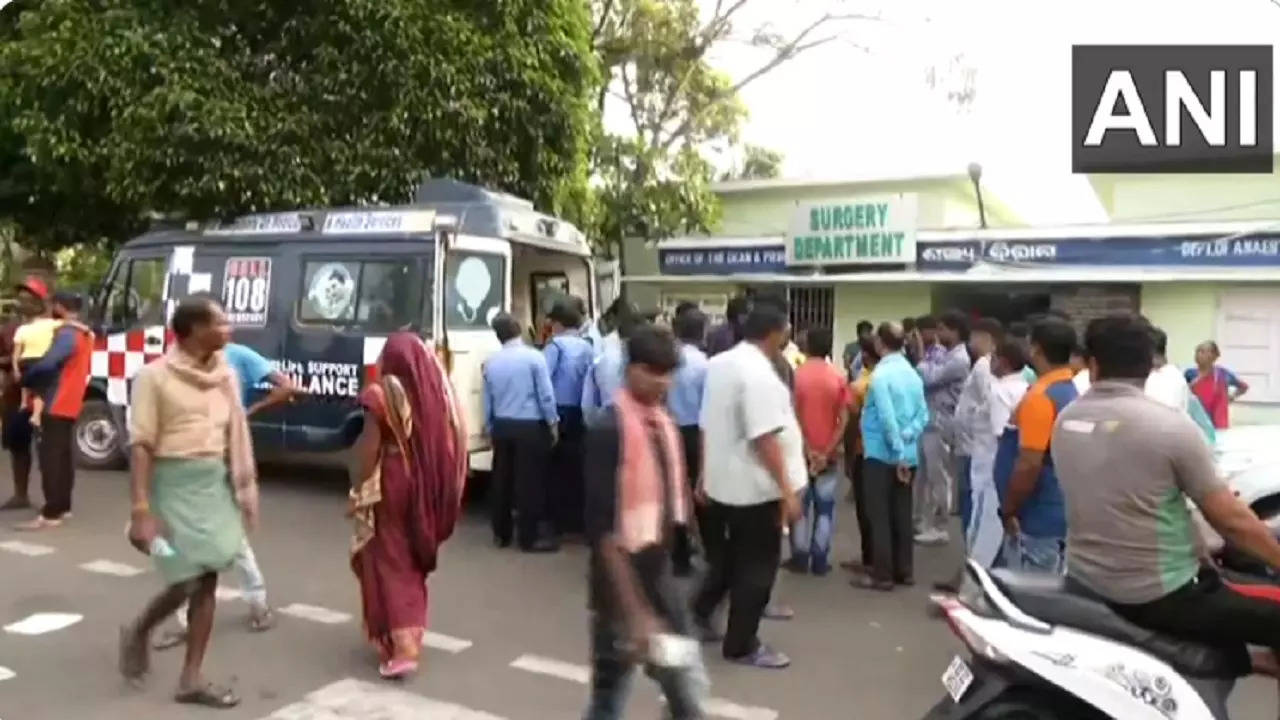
(605, 11)
(782, 53)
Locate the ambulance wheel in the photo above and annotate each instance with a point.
(97, 445)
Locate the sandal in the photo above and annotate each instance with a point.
(39, 523)
(210, 696)
(262, 620)
(866, 582)
(134, 659)
(397, 669)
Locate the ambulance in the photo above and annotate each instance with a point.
(318, 292)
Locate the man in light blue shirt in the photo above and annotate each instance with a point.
(605, 376)
(943, 368)
(893, 418)
(521, 420)
(569, 358)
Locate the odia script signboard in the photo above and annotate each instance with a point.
(859, 231)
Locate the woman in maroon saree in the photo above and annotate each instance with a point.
(410, 466)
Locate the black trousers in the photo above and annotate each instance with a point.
(57, 465)
(682, 548)
(743, 546)
(889, 514)
(1207, 611)
(521, 459)
(858, 481)
(565, 490)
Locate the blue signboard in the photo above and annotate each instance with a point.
(713, 260)
(1253, 250)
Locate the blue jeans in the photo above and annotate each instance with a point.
(811, 535)
(612, 668)
(1024, 553)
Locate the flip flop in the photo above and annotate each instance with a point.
(262, 621)
(866, 582)
(397, 669)
(169, 639)
(39, 523)
(134, 660)
(210, 696)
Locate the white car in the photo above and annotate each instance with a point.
(1249, 458)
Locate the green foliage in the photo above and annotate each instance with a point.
(757, 163)
(208, 108)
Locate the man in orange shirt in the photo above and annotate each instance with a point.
(1032, 507)
(822, 407)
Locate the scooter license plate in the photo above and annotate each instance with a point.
(957, 678)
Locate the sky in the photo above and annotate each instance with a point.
(843, 111)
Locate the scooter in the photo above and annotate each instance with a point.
(1041, 651)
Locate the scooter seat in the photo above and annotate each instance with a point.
(1054, 600)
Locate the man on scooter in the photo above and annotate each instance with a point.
(1126, 464)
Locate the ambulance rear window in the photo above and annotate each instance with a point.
(373, 295)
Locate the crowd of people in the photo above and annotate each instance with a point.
(667, 446)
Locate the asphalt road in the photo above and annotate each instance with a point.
(509, 640)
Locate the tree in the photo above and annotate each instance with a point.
(121, 109)
(756, 163)
(653, 180)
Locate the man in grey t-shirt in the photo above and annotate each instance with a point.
(1127, 465)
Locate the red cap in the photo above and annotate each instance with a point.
(35, 286)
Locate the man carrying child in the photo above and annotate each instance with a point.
(58, 380)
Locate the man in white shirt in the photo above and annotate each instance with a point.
(753, 468)
(1166, 383)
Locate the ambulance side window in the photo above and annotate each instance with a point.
(474, 289)
(374, 295)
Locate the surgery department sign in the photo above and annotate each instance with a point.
(861, 231)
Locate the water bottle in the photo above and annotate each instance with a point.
(160, 548)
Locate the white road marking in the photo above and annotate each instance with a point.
(25, 548)
(447, 643)
(41, 623)
(717, 707)
(352, 699)
(6, 674)
(226, 593)
(109, 567)
(315, 613)
(580, 674)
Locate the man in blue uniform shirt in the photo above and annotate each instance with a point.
(521, 420)
(569, 358)
(684, 403)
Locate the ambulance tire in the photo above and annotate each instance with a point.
(97, 438)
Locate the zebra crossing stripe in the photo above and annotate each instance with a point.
(109, 567)
(447, 643)
(41, 623)
(25, 548)
(315, 613)
(353, 699)
(580, 674)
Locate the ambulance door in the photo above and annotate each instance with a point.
(476, 287)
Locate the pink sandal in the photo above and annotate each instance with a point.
(397, 669)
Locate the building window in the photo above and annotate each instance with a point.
(1249, 337)
(812, 307)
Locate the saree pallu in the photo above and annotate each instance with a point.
(393, 583)
(192, 498)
